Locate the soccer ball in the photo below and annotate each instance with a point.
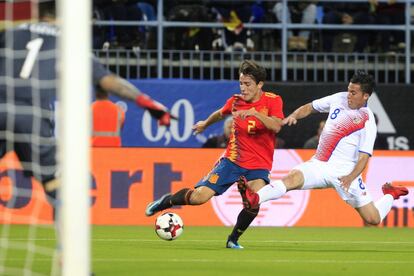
(169, 226)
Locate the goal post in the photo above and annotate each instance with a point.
(37, 61)
(75, 86)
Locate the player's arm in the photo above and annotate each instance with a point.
(214, 117)
(120, 87)
(365, 147)
(126, 90)
(270, 122)
(300, 113)
(358, 169)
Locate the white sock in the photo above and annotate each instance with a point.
(384, 205)
(273, 190)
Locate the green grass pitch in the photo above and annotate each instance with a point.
(131, 250)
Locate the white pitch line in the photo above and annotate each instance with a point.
(175, 260)
(260, 241)
(246, 241)
(257, 261)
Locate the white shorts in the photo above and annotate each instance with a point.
(322, 175)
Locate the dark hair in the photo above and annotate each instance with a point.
(251, 68)
(47, 8)
(100, 93)
(365, 80)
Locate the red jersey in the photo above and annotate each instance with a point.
(251, 144)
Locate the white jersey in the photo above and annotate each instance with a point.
(346, 133)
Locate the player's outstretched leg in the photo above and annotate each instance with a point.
(250, 198)
(158, 205)
(395, 191)
(182, 197)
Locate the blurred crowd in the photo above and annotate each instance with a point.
(234, 36)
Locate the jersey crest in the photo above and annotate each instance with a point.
(264, 110)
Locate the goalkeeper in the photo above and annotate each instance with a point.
(28, 90)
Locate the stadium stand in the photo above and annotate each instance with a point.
(314, 65)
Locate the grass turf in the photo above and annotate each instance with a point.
(130, 250)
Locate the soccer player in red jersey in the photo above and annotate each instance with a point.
(257, 117)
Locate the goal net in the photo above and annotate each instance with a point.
(44, 163)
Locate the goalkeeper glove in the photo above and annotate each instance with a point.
(165, 120)
(156, 109)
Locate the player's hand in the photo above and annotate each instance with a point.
(289, 121)
(345, 182)
(199, 127)
(156, 109)
(165, 119)
(245, 113)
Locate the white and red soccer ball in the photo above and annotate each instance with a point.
(169, 226)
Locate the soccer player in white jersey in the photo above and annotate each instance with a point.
(345, 145)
